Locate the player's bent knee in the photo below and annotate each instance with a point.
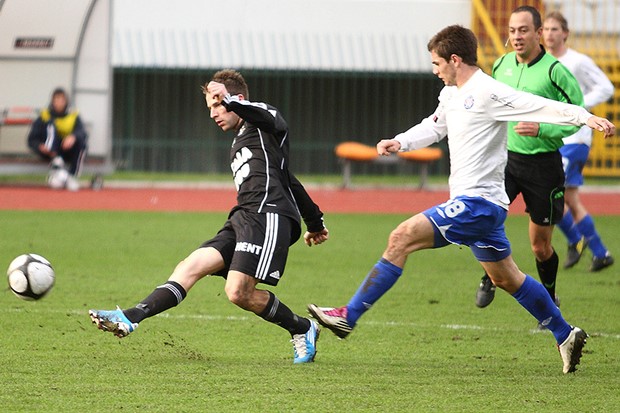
(238, 296)
(235, 295)
(414, 234)
(542, 252)
(399, 240)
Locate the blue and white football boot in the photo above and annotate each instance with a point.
(113, 321)
(304, 345)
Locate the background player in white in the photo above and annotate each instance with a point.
(577, 224)
(473, 110)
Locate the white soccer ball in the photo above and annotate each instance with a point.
(57, 179)
(30, 276)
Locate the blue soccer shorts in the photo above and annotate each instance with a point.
(471, 221)
(574, 158)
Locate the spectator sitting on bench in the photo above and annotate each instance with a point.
(58, 135)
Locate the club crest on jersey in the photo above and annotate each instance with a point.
(469, 102)
(508, 71)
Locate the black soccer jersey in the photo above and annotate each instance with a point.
(259, 163)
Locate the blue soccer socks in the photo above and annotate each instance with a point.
(587, 229)
(569, 229)
(378, 281)
(535, 299)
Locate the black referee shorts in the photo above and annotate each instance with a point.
(540, 179)
(255, 244)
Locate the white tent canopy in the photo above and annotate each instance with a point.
(349, 35)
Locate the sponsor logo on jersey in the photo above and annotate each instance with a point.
(275, 274)
(248, 247)
(240, 167)
(469, 102)
(501, 100)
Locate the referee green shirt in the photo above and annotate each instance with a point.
(547, 77)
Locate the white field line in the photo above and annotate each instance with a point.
(398, 324)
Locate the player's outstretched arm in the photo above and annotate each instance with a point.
(316, 238)
(602, 125)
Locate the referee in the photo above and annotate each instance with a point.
(534, 167)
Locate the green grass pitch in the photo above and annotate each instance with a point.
(424, 347)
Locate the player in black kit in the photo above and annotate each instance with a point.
(253, 244)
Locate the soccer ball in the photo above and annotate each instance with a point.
(57, 178)
(30, 276)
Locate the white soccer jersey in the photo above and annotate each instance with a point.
(595, 85)
(474, 117)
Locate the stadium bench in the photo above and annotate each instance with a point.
(16, 158)
(349, 152)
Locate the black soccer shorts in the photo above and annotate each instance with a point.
(255, 244)
(540, 179)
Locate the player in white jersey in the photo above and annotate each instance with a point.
(577, 224)
(473, 110)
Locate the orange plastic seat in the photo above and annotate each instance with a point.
(422, 155)
(355, 151)
(351, 151)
